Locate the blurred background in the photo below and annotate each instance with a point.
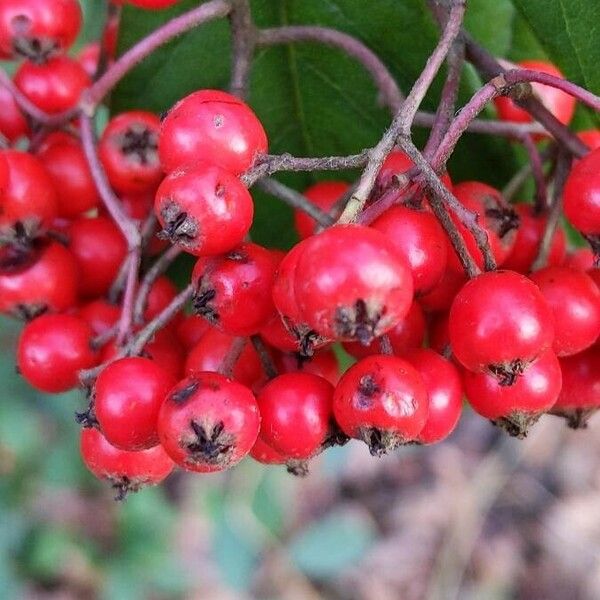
(478, 516)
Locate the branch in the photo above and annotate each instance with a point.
(126, 319)
(266, 360)
(232, 356)
(295, 200)
(388, 88)
(537, 170)
(243, 38)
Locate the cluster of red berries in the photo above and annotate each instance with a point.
(516, 344)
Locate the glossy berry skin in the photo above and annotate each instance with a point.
(13, 124)
(406, 334)
(126, 471)
(529, 236)
(581, 259)
(323, 363)
(191, 329)
(100, 314)
(277, 335)
(208, 423)
(47, 285)
(324, 195)
(580, 394)
(581, 196)
(352, 284)
(68, 168)
(88, 58)
(516, 407)
(261, 452)
(161, 294)
(574, 299)
(496, 217)
(52, 350)
(38, 29)
(295, 409)
(500, 321)
(54, 86)
(560, 104)
(444, 391)
(420, 239)
(28, 196)
(381, 400)
(212, 349)
(211, 126)
(590, 137)
(128, 395)
(440, 298)
(128, 150)
(205, 209)
(233, 291)
(99, 249)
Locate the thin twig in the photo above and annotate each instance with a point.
(243, 38)
(537, 170)
(294, 199)
(126, 320)
(232, 356)
(266, 360)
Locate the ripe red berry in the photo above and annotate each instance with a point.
(68, 168)
(560, 104)
(440, 298)
(581, 259)
(277, 335)
(161, 294)
(263, 453)
(574, 300)
(407, 334)
(296, 410)
(12, 121)
(205, 209)
(128, 395)
(323, 363)
(128, 150)
(580, 395)
(500, 322)
(581, 198)
(47, 285)
(518, 406)
(496, 216)
(126, 471)
(54, 86)
(28, 196)
(190, 330)
(381, 400)
(100, 314)
(99, 249)
(212, 349)
(444, 391)
(38, 29)
(53, 349)
(88, 58)
(324, 195)
(233, 291)
(211, 126)
(591, 138)
(420, 239)
(352, 284)
(529, 236)
(208, 422)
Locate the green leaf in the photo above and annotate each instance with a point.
(332, 544)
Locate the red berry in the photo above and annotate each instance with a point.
(47, 285)
(208, 422)
(233, 291)
(323, 363)
(574, 300)
(580, 395)
(28, 196)
(440, 298)
(100, 314)
(499, 321)
(53, 349)
(420, 239)
(496, 216)
(206, 209)
(54, 86)
(352, 284)
(444, 391)
(88, 58)
(381, 400)
(99, 249)
(190, 330)
(128, 150)
(295, 409)
(529, 236)
(516, 407)
(560, 104)
(161, 294)
(407, 334)
(263, 453)
(126, 471)
(212, 349)
(38, 29)
(591, 138)
(581, 196)
(438, 336)
(211, 126)
(128, 395)
(324, 195)
(581, 259)
(68, 168)
(12, 121)
(276, 334)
